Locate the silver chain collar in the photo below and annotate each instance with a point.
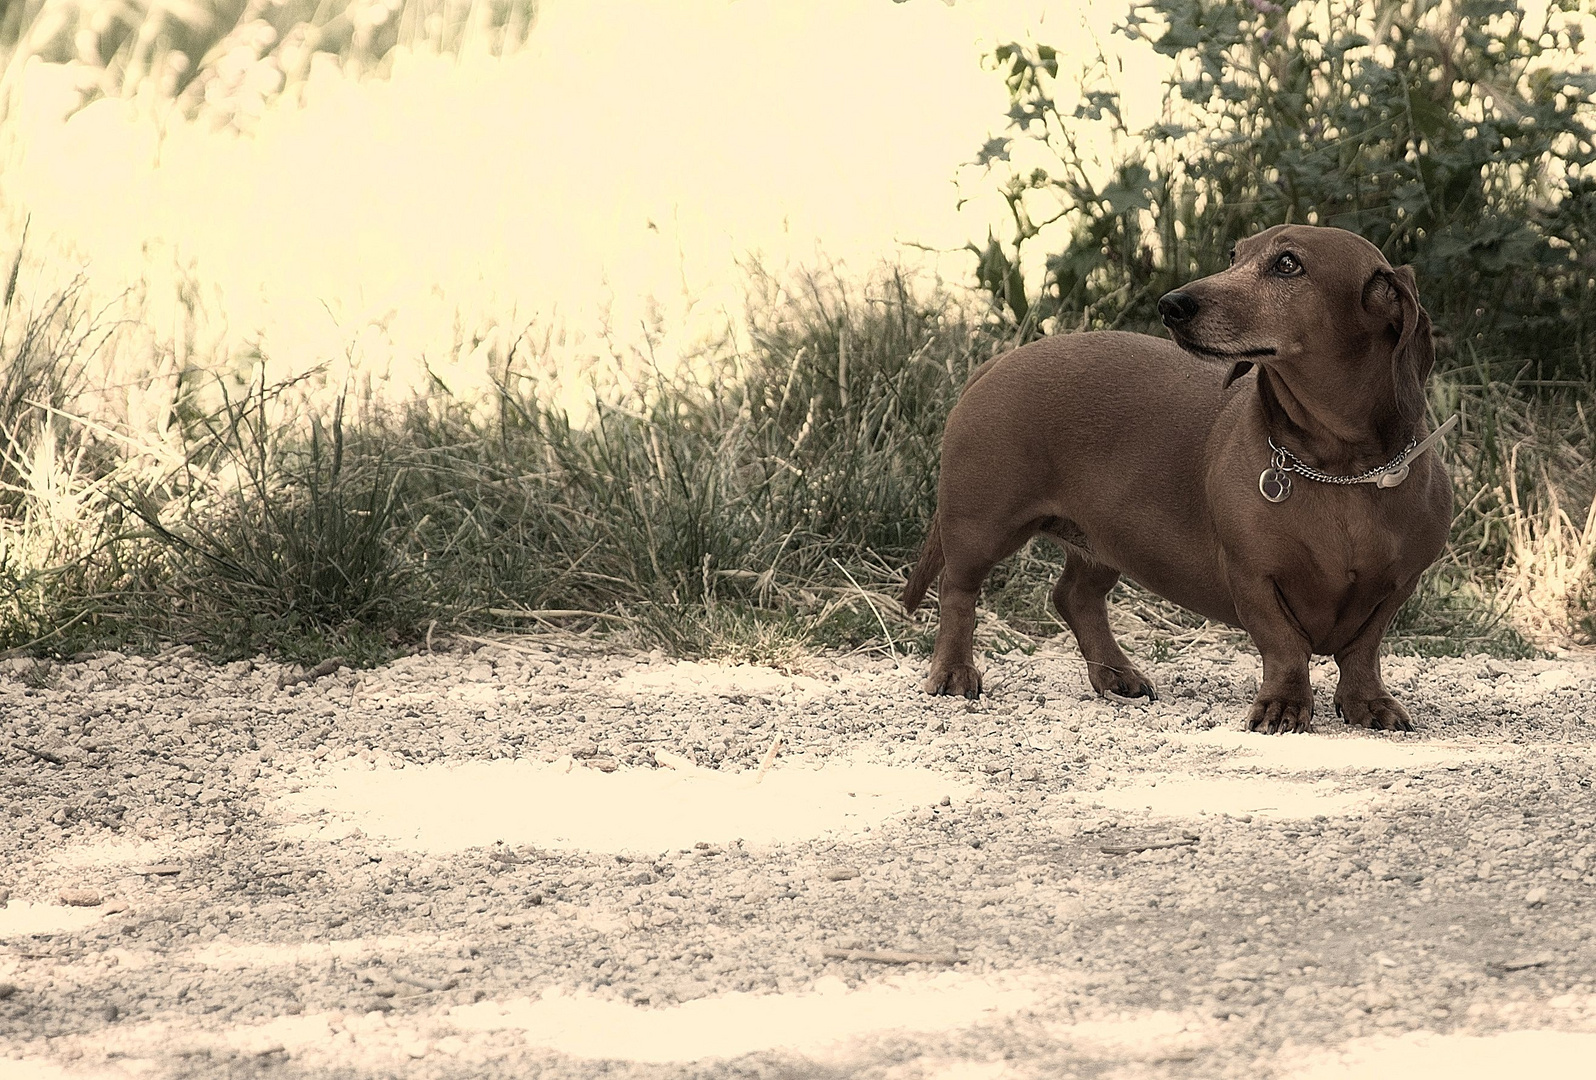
(1285, 461)
(1274, 483)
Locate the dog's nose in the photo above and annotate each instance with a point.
(1177, 307)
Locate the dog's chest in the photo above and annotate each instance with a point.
(1339, 570)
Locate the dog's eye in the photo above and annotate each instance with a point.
(1287, 265)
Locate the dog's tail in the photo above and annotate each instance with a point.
(926, 570)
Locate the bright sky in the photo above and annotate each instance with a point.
(611, 176)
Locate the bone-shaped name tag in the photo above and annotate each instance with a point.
(1399, 472)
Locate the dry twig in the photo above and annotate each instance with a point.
(42, 755)
(888, 956)
(1150, 845)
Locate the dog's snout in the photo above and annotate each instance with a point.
(1177, 307)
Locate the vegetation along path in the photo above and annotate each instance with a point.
(531, 859)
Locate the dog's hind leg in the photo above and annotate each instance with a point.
(1080, 597)
(953, 669)
(971, 553)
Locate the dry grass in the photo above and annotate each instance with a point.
(763, 503)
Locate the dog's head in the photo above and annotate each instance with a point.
(1322, 308)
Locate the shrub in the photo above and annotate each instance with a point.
(1443, 131)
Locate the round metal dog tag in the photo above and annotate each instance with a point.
(1392, 478)
(1274, 484)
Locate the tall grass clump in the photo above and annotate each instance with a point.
(58, 526)
(278, 532)
(1524, 472)
(764, 496)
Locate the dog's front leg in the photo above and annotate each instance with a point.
(1285, 700)
(1361, 697)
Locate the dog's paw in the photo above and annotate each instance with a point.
(954, 680)
(1383, 713)
(1121, 682)
(1275, 715)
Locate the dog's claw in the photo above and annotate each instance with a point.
(1276, 716)
(955, 680)
(1383, 713)
(1124, 684)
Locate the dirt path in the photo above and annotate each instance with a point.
(526, 861)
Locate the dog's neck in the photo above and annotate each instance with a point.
(1325, 438)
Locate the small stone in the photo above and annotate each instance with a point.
(7, 990)
(1535, 897)
(667, 760)
(842, 873)
(80, 897)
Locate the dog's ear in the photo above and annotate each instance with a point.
(1237, 370)
(1414, 355)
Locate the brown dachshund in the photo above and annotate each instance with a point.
(1269, 470)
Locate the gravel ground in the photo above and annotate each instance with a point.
(541, 860)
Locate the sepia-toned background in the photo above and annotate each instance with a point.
(331, 322)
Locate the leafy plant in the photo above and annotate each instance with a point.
(1444, 131)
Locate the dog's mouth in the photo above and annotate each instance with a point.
(1197, 349)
